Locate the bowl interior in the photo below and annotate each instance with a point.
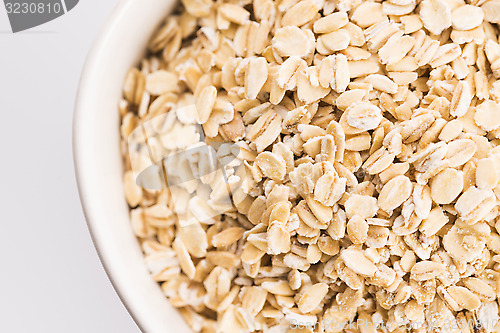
(119, 46)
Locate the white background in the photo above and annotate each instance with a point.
(51, 280)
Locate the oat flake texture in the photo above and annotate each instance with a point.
(319, 163)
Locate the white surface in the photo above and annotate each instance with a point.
(51, 280)
(98, 160)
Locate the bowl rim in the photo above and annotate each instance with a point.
(89, 72)
(89, 65)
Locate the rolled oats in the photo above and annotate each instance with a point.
(205, 104)
(396, 48)
(411, 23)
(435, 15)
(367, 14)
(265, 130)
(363, 205)
(358, 142)
(486, 176)
(382, 83)
(133, 193)
(272, 166)
(447, 185)
(445, 54)
(255, 77)
(474, 204)
(465, 243)
(311, 297)
(462, 98)
(467, 17)
(354, 169)
(394, 193)
(434, 222)
(451, 130)
(491, 10)
(330, 23)
(334, 71)
(357, 261)
(329, 188)
(288, 72)
(460, 152)
(357, 229)
(481, 288)
(362, 67)
(464, 298)
(224, 259)
(300, 13)
(363, 115)
(278, 238)
(161, 82)
(486, 115)
(390, 8)
(426, 270)
(335, 41)
(306, 91)
(227, 237)
(292, 41)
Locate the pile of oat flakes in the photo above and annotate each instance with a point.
(366, 183)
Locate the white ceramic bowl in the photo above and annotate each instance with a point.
(119, 46)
